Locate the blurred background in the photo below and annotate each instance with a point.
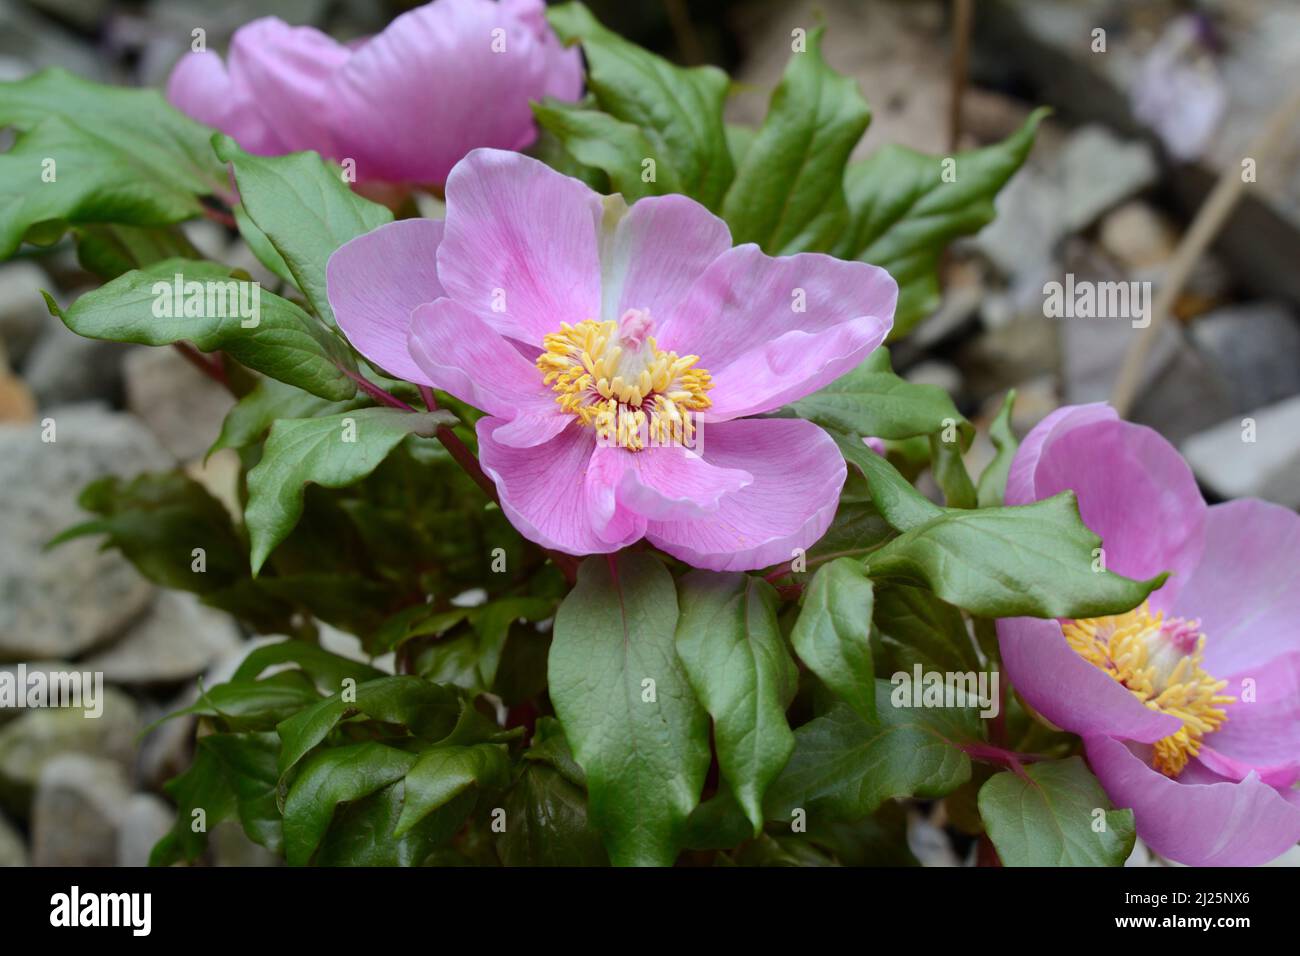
(1141, 132)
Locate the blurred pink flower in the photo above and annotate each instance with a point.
(405, 105)
(587, 330)
(1189, 706)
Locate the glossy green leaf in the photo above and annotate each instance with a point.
(305, 210)
(678, 110)
(1036, 560)
(950, 472)
(913, 626)
(844, 767)
(1054, 813)
(627, 707)
(331, 777)
(252, 416)
(281, 340)
(91, 153)
(546, 822)
(619, 149)
(333, 451)
(993, 481)
(445, 772)
(832, 633)
(903, 212)
(788, 194)
(893, 495)
(730, 644)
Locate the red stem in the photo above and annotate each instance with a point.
(212, 368)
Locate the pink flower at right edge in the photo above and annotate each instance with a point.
(548, 306)
(1213, 655)
(405, 104)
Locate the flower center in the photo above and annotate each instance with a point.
(612, 376)
(1158, 660)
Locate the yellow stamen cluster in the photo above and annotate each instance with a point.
(1160, 662)
(629, 391)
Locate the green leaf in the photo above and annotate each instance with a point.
(445, 772)
(110, 250)
(157, 521)
(255, 705)
(1035, 560)
(1054, 813)
(832, 634)
(248, 762)
(730, 643)
(261, 246)
(679, 111)
(363, 833)
(627, 707)
(915, 627)
(872, 400)
(950, 472)
(285, 343)
(334, 451)
(269, 400)
(893, 495)
(119, 156)
(332, 777)
(903, 214)
(788, 194)
(492, 623)
(546, 822)
(619, 149)
(305, 210)
(326, 669)
(844, 767)
(202, 794)
(993, 481)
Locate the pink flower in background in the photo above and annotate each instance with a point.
(406, 104)
(1189, 706)
(617, 352)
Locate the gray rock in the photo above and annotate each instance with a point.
(177, 639)
(77, 812)
(167, 750)
(1098, 170)
(32, 739)
(180, 404)
(145, 820)
(1265, 468)
(23, 315)
(1255, 348)
(13, 851)
(64, 368)
(57, 604)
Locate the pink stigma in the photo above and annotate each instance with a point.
(635, 327)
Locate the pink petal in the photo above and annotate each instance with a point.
(1135, 492)
(1068, 691)
(1199, 819)
(798, 472)
(200, 87)
(613, 522)
(1262, 732)
(672, 483)
(548, 496)
(375, 280)
(771, 330)
(520, 247)
(1246, 591)
(660, 246)
(285, 72)
(440, 81)
(460, 353)
(1020, 480)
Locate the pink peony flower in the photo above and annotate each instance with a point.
(405, 105)
(1189, 706)
(617, 352)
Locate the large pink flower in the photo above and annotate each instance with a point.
(616, 352)
(405, 105)
(1190, 705)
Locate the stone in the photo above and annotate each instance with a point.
(145, 820)
(929, 843)
(1021, 349)
(35, 737)
(13, 851)
(1098, 170)
(177, 639)
(77, 811)
(1137, 236)
(182, 406)
(23, 314)
(65, 368)
(1255, 348)
(59, 603)
(1224, 461)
